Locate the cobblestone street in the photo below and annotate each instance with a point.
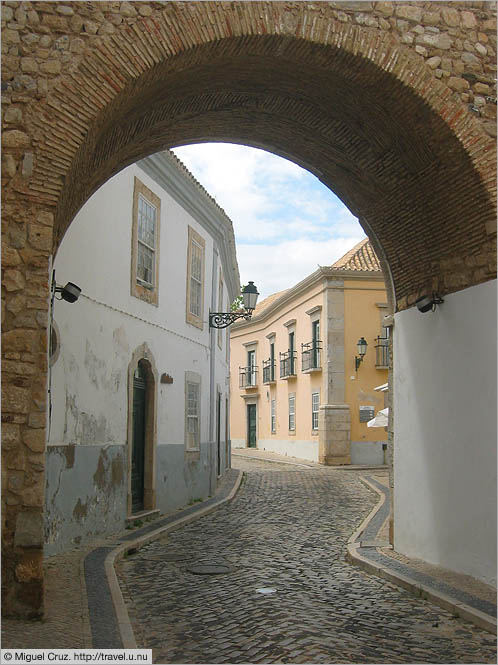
(287, 530)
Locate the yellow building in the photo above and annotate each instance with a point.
(298, 386)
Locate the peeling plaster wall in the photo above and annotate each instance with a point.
(86, 494)
(87, 451)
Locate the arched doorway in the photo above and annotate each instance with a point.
(350, 99)
(142, 428)
(138, 442)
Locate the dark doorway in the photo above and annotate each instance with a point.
(138, 445)
(251, 425)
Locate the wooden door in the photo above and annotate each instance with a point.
(251, 425)
(138, 444)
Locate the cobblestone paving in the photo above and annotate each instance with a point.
(287, 529)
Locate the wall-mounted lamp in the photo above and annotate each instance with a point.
(362, 349)
(224, 319)
(428, 303)
(69, 293)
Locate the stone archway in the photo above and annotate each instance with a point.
(352, 92)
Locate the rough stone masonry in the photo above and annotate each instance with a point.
(89, 87)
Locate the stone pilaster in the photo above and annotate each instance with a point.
(334, 420)
(334, 428)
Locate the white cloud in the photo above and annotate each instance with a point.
(285, 221)
(277, 267)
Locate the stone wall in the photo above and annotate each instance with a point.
(89, 87)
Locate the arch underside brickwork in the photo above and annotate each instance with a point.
(352, 104)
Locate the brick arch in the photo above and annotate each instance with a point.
(410, 163)
(356, 105)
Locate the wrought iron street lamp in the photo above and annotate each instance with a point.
(362, 349)
(224, 319)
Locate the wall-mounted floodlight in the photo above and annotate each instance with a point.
(362, 349)
(69, 293)
(428, 303)
(224, 319)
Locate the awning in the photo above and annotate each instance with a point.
(380, 419)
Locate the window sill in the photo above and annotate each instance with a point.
(311, 370)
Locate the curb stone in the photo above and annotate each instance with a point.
(356, 555)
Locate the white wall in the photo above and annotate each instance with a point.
(87, 453)
(445, 433)
(306, 450)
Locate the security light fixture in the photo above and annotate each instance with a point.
(362, 349)
(428, 303)
(224, 319)
(69, 293)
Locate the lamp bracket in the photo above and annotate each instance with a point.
(225, 319)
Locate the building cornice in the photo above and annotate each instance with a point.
(324, 273)
(169, 172)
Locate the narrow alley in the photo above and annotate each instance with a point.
(286, 530)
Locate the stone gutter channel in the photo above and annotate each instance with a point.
(109, 622)
(367, 551)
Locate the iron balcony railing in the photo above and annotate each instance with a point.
(268, 371)
(248, 376)
(382, 352)
(310, 355)
(288, 364)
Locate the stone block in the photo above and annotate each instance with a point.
(14, 399)
(14, 138)
(385, 8)
(409, 12)
(10, 257)
(30, 567)
(450, 16)
(19, 340)
(40, 236)
(16, 304)
(29, 529)
(468, 20)
(35, 439)
(51, 67)
(11, 436)
(458, 84)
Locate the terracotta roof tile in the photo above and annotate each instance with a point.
(361, 258)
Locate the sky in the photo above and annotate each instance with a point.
(286, 222)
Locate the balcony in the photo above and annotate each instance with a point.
(268, 371)
(248, 377)
(288, 364)
(382, 355)
(311, 356)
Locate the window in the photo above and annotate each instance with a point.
(315, 337)
(292, 413)
(315, 403)
(54, 345)
(291, 352)
(251, 368)
(195, 278)
(192, 411)
(146, 242)
(145, 239)
(273, 416)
